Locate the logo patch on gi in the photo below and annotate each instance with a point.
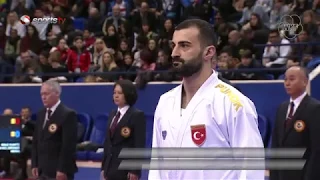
(125, 132)
(299, 125)
(164, 135)
(198, 134)
(52, 128)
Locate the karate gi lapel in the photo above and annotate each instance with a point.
(192, 106)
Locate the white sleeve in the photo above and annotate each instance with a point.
(244, 132)
(155, 174)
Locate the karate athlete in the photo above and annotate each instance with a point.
(203, 111)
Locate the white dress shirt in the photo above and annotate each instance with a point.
(296, 103)
(122, 111)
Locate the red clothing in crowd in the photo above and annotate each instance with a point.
(89, 41)
(76, 60)
(63, 54)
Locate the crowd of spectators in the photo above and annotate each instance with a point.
(131, 38)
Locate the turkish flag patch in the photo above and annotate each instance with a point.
(198, 134)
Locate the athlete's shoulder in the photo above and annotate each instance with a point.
(231, 94)
(171, 93)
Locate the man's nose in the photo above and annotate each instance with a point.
(175, 52)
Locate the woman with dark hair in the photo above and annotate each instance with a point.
(126, 129)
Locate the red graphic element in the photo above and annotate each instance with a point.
(18, 121)
(61, 20)
(198, 134)
(25, 19)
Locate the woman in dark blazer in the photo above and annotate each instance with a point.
(126, 129)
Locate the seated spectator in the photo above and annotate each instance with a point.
(31, 40)
(166, 34)
(124, 9)
(247, 62)
(79, 58)
(128, 68)
(99, 49)
(226, 62)
(115, 18)
(237, 42)
(147, 32)
(63, 49)
(123, 49)
(163, 64)
(279, 10)
(26, 68)
(88, 38)
(255, 23)
(7, 112)
(95, 21)
(13, 22)
(302, 54)
(276, 54)
(111, 37)
(251, 7)
(12, 46)
(309, 22)
(153, 48)
(108, 65)
(57, 67)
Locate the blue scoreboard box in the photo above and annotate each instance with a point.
(10, 135)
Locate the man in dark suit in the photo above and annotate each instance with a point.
(126, 129)
(297, 125)
(55, 137)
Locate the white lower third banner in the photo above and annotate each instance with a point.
(213, 164)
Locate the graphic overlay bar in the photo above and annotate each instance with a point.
(216, 164)
(288, 153)
(10, 135)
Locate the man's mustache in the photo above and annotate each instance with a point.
(176, 62)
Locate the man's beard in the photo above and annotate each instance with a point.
(187, 68)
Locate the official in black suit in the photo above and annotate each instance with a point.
(55, 137)
(126, 129)
(297, 125)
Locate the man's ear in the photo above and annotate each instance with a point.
(210, 53)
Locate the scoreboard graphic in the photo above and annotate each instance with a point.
(10, 134)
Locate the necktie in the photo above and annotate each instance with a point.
(47, 118)
(290, 115)
(114, 123)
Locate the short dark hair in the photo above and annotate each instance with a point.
(129, 90)
(274, 31)
(206, 32)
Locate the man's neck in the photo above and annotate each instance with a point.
(193, 83)
(294, 97)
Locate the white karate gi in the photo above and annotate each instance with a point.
(230, 120)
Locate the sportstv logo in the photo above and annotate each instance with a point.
(290, 26)
(26, 20)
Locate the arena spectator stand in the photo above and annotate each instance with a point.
(139, 48)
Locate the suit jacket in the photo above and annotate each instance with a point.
(303, 132)
(54, 146)
(134, 121)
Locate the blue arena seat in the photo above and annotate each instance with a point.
(85, 120)
(282, 76)
(98, 135)
(82, 155)
(269, 76)
(79, 23)
(263, 128)
(313, 63)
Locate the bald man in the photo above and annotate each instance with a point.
(8, 112)
(297, 125)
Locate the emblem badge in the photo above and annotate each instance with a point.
(299, 125)
(198, 134)
(125, 132)
(164, 135)
(52, 128)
